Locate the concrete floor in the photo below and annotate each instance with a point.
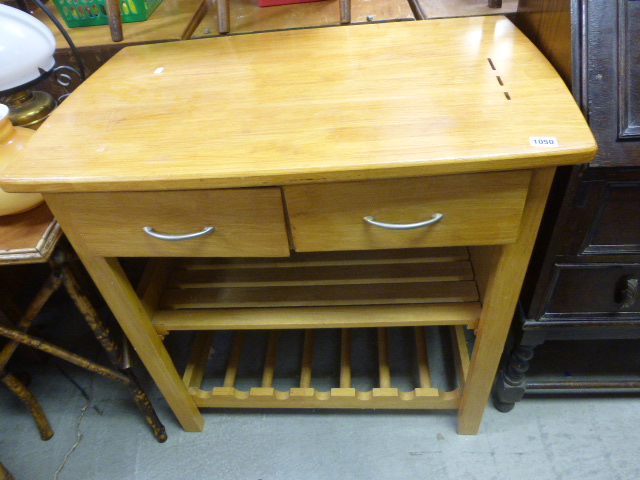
(99, 434)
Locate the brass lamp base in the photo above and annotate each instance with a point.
(29, 108)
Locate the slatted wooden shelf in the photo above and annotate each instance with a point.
(265, 393)
(336, 290)
(417, 290)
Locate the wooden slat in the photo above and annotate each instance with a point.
(306, 370)
(234, 360)
(461, 353)
(324, 275)
(194, 372)
(370, 257)
(270, 359)
(383, 359)
(345, 359)
(153, 282)
(297, 296)
(319, 317)
(420, 398)
(422, 358)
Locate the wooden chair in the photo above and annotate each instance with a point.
(224, 21)
(35, 237)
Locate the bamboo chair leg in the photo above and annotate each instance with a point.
(114, 353)
(29, 401)
(51, 284)
(5, 474)
(144, 405)
(201, 12)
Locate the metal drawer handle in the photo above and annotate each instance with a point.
(174, 238)
(405, 226)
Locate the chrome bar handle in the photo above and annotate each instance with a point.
(436, 217)
(175, 238)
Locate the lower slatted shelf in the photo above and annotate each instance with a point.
(249, 371)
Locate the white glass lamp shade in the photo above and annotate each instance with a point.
(26, 49)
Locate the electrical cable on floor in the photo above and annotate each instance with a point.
(66, 36)
(78, 434)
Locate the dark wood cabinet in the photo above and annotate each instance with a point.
(583, 280)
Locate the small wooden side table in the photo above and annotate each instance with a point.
(36, 237)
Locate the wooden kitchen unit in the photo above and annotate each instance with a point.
(357, 177)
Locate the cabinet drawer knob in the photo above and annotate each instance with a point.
(173, 238)
(404, 226)
(629, 293)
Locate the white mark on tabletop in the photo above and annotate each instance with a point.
(102, 149)
(158, 70)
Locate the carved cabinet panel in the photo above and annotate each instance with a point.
(583, 279)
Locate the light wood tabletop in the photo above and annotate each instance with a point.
(376, 100)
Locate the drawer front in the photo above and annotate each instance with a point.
(477, 209)
(596, 289)
(247, 222)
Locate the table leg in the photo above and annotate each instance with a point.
(501, 271)
(136, 323)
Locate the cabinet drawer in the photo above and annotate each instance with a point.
(598, 288)
(247, 222)
(477, 209)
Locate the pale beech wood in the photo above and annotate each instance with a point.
(345, 358)
(324, 259)
(478, 209)
(420, 398)
(114, 286)
(319, 317)
(424, 373)
(502, 290)
(461, 353)
(28, 237)
(384, 372)
(322, 295)
(248, 222)
(306, 369)
(325, 275)
(194, 371)
(265, 396)
(234, 360)
(153, 282)
(311, 105)
(270, 359)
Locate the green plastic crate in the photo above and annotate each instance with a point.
(85, 13)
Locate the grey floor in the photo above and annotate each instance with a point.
(100, 435)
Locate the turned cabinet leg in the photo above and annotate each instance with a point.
(510, 381)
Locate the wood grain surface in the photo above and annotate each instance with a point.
(354, 102)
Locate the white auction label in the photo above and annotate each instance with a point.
(543, 141)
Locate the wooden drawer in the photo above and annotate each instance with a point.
(596, 289)
(477, 209)
(248, 222)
